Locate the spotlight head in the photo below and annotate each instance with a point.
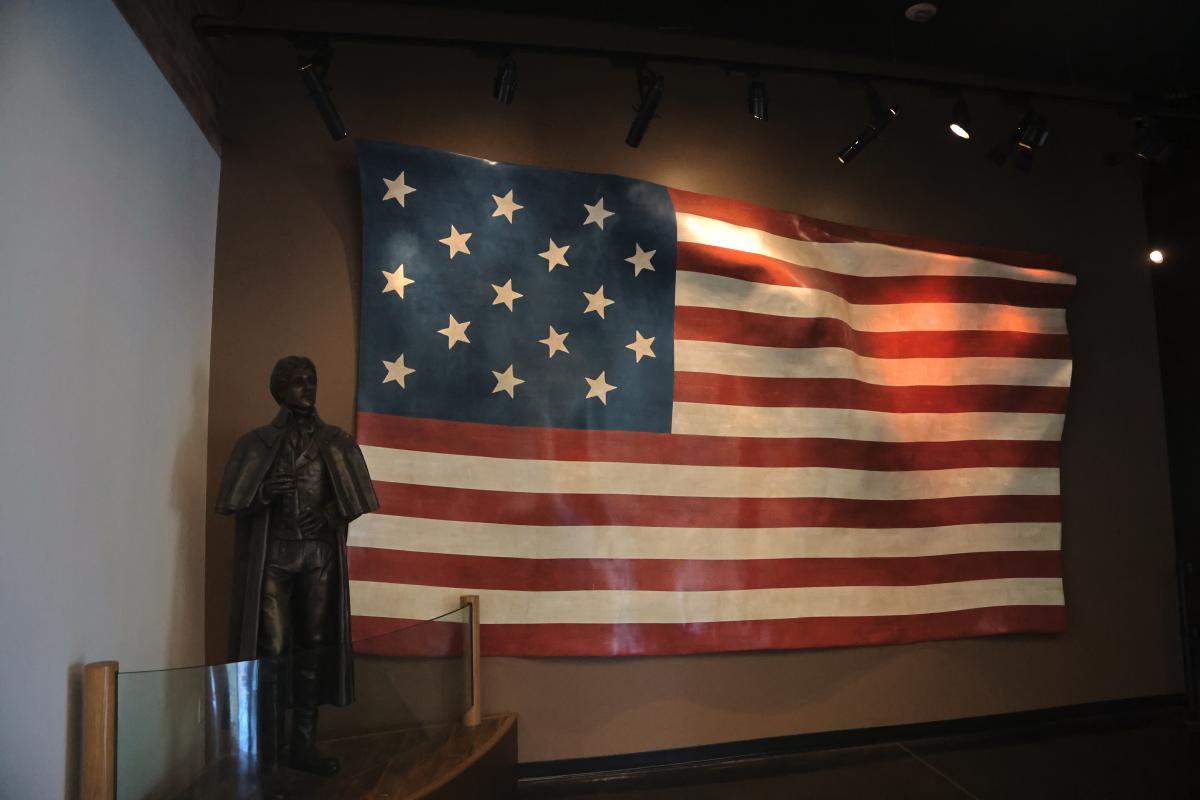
(881, 115)
(960, 119)
(650, 90)
(1032, 132)
(313, 69)
(1152, 143)
(1027, 138)
(505, 85)
(757, 99)
(1157, 257)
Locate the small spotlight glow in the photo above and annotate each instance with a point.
(1156, 257)
(960, 119)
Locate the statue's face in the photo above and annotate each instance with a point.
(300, 392)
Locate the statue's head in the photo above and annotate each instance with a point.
(294, 383)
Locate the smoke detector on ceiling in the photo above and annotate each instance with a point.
(920, 12)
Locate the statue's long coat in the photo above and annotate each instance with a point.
(252, 458)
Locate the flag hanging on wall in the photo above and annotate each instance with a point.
(637, 420)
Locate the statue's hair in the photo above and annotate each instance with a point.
(285, 369)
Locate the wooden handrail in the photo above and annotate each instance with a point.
(99, 736)
(475, 713)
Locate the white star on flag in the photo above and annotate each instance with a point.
(556, 256)
(597, 301)
(396, 371)
(457, 242)
(506, 381)
(505, 294)
(505, 206)
(597, 214)
(599, 388)
(641, 346)
(455, 332)
(641, 260)
(397, 190)
(555, 342)
(396, 281)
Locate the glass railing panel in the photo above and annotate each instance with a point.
(412, 687)
(193, 732)
(415, 676)
(188, 733)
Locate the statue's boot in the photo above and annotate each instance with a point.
(304, 753)
(272, 720)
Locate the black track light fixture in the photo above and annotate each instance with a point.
(960, 119)
(505, 85)
(756, 98)
(880, 115)
(1026, 139)
(313, 68)
(650, 90)
(1152, 143)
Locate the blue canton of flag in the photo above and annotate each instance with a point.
(514, 295)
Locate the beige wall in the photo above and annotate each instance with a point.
(288, 265)
(108, 208)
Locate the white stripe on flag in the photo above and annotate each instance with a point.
(869, 426)
(864, 259)
(505, 607)
(700, 289)
(677, 480)
(723, 358)
(452, 537)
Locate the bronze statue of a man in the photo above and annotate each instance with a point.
(294, 485)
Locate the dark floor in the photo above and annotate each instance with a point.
(1124, 756)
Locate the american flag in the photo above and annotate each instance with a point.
(637, 420)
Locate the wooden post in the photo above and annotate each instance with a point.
(471, 635)
(99, 740)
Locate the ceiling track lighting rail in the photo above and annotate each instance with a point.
(212, 29)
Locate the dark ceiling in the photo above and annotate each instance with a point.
(1148, 47)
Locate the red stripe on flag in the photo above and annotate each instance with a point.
(734, 390)
(564, 444)
(809, 229)
(768, 330)
(682, 575)
(646, 639)
(860, 290)
(518, 508)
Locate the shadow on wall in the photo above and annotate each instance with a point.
(189, 501)
(341, 206)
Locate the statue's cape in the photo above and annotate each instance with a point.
(252, 458)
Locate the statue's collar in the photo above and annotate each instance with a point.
(283, 419)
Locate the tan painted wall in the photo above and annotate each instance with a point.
(288, 265)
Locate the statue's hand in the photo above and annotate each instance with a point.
(279, 484)
(311, 523)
